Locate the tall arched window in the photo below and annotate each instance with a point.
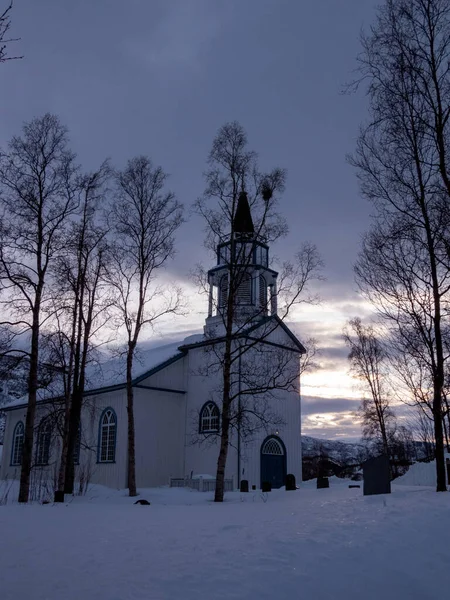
(107, 436)
(244, 291)
(17, 444)
(43, 440)
(209, 418)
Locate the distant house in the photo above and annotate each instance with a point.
(177, 404)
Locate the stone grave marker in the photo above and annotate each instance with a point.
(377, 476)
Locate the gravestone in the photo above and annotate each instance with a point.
(59, 496)
(253, 487)
(377, 476)
(290, 482)
(322, 483)
(266, 486)
(244, 485)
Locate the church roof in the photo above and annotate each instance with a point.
(246, 333)
(110, 374)
(243, 222)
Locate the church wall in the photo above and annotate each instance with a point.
(108, 474)
(12, 418)
(171, 377)
(159, 422)
(201, 458)
(288, 407)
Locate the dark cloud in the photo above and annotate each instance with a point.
(312, 405)
(159, 78)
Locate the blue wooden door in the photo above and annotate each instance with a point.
(273, 462)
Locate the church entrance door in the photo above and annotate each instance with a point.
(273, 462)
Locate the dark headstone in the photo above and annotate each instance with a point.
(290, 482)
(244, 485)
(322, 483)
(377, 476)
(143, 502)
(253, 487)
(59, 496)
(354, 486)
(266, 486)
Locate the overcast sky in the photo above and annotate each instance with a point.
(159, 77)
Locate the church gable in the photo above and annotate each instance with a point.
(169, 375)
(274, 331)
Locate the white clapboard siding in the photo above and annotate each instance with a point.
(159, 436)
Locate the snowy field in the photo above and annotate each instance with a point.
(310, 544)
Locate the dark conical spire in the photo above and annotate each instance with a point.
(243, 222)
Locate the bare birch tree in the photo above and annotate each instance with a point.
(239, 207)
(369, 365)
(38, 195)
(144, 219)
(81, 302)
(403, 166)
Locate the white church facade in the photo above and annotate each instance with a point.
(177, 399)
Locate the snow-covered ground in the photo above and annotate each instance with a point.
(326, 544)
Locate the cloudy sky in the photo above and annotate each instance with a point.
(159, 77)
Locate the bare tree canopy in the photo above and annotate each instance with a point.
(38, 182)
(368, 363)
(402, 160)
(144, 219)
(239, 207)
(5, 40)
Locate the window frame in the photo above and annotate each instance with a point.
(43, 443)
(101, 425)
(210, 406)
(12, 462)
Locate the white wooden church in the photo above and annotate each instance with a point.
(177, 397)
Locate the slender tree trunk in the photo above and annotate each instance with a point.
(441, 478)
(27, 453)
(445, 428)
(74, 427)
(131, 434)
(225, 425)
(439, 377)
(64, 444)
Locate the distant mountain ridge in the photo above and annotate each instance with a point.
(341, 452)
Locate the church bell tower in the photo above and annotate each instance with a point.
(242, 267)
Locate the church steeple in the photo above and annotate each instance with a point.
(243, 267)
(243, 222)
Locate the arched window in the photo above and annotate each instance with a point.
(107, 436)
(273, 447)
(223, 291)
(44, 436)
(209, 418)
(17, 444)
(244, 291)
(263, 292)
